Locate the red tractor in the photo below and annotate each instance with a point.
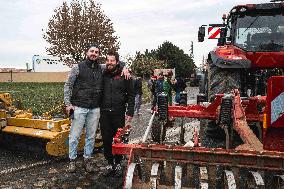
(250, 50)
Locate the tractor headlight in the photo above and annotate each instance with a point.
(243, 9)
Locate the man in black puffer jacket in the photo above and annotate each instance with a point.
(118, 95)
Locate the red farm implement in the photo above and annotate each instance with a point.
(251, 157)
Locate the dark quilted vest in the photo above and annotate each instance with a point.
(88, 87)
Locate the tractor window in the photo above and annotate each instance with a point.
(260, 33)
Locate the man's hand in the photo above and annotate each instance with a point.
(68, 108)
(126, 73)
(128, 119)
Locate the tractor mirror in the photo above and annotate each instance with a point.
(222, 39)
(201, 34)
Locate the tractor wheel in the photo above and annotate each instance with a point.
(221, 81)
(157, 129)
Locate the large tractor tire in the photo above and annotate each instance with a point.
(156, 132)
(220, 81)
(223, 81)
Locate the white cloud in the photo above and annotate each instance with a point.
(140, 24)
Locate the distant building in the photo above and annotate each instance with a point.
(43, 69)
(5, 70)
(48, 64)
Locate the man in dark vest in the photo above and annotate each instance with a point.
(82, 97)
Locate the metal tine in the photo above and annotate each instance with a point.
(130, 176)
(231, 183)
(178, 177)
(258, 179)
(154, 175)
(203, 178)
(204, 185)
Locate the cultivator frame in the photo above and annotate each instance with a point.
(164, 166)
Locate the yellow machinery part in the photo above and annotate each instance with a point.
(37, 123)
(25, 115)
(58, 146)
(56, 132)
(58, 141)
(3, 114)
(6, 98)
(36, 133)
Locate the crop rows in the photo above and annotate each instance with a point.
(40, 97)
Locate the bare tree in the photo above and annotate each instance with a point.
(74, 26)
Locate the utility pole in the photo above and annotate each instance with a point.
(203, 63)
(11, 75)
(191, 50)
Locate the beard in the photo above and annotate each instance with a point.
(110, 67)
(92, 58)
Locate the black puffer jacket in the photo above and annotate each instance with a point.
(118, 94)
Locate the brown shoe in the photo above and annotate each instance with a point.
(88, 165)
(72, 166)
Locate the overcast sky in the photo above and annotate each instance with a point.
(140, 24)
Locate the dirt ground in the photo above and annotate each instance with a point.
(22, 169)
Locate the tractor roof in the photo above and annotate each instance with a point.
(263, 6)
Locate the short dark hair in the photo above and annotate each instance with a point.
(88, 46)
(115, 54)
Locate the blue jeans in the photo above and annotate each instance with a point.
(137, 106)
(177, 98)
(88, 118)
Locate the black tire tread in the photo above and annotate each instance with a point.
(157, 129)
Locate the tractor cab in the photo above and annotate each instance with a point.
(252, 28)
(257, 28)
(250, 49)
